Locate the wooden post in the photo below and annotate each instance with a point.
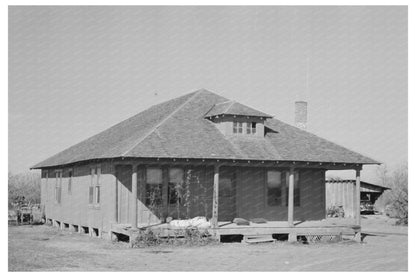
(357, 204)
(165, 197)
(357, 197)
(291, 197)
(214, 221)
(115, 195)
(134, 194)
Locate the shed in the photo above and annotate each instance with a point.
(341, 193)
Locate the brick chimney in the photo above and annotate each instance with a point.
(301, 114)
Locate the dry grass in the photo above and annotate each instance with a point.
(43, 248)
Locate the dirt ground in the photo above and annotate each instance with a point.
(44, 248)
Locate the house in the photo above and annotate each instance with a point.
(342, 192)
(229, 160)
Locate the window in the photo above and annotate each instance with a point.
(58, 186)
(153, 186)
(70, 181)
(175, 185)
(253, 127)
(237, 127)
(91, 188)
(94, 191)
(274, 188)
(275, 182)
(296, 191)
(226, 188)
(97, 186)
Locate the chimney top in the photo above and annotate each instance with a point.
(301, 114)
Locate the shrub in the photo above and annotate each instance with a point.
(188, 236)
(394, 202)
(23, 188)
(335, 211)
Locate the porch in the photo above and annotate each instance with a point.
(283, 201)
(326, 227)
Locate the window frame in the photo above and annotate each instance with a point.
(70, 180)
(278, 189)
(58, 186)
(97, 186)
(151, 186)
(253, 129)
(94, 189)
(172, 185)
(91, 187)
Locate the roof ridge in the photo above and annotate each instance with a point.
(216, 105)
(231, 104)
(161, 122)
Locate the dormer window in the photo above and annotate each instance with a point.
(232, 118)
(237, 127)
(251, 128)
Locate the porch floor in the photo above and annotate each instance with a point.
(345, 226)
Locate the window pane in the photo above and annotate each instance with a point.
(175, 175)
(70, 181)
(59, 195)
(153, 176)
(98, 174)
(97, 194)
(248, 129)
(274, 196)
(91, 195)
(240, 127)
(175, 182)
(173, 193)
(234, 127)
(153, 194)
(225, 187)
(253, 127)
(274, 179)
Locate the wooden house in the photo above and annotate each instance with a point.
(229, 161)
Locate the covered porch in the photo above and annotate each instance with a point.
(331, 227)
(292, 227)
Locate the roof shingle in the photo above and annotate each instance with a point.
(178, 129)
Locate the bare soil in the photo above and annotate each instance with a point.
(44, 248)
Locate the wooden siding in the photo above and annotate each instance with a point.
(341, 194)
(252, 196)
(74, 207)
(246, 196)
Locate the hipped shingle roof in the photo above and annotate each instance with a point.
(178, 129)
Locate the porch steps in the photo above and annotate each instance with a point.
(251, 239)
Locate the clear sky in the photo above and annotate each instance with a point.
(75, 71)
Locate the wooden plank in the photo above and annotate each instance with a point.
(134, 197)
(214, 221)
(357, 197)
(291, 196)
(165, 191)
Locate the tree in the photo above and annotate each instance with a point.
(24, 187)
(395, 201)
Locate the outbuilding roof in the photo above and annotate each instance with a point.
(178, 128)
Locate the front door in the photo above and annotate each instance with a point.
(227, 195)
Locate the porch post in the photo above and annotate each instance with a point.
(357, 197)
(291, 197)
(134, 194)
(357, 203)
(214, 221)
